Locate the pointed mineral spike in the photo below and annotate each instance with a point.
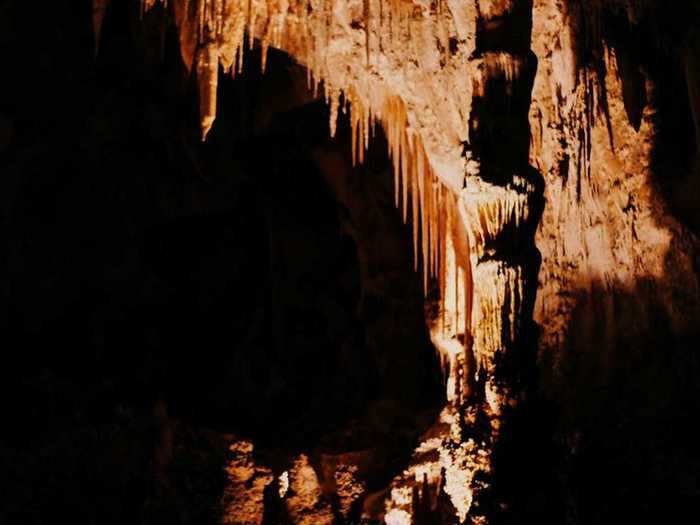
(207, 77)
(99, 8)
(404, 175)
(414, 209)
(187, 30)
(333, 119)
(353, 133)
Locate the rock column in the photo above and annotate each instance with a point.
(501, 202)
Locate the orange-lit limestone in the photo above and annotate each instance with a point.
(482, 300)
(440, 242)
(489, 209)
(283, 482)
(305, 503)
(399, 39)
(498, 298)
(242, 500)
(463, 461)
(417, 50)
(450, 463)
(309, 27)
(207, 77)
(348, 488)
(604, 223)
(417, 187)
(439, 233)
(451, 330)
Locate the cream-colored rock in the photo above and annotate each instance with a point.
(604, 224)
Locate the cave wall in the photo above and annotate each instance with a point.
(617, 303)
(608, 222)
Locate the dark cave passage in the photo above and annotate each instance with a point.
(324, 314)
(161, 294)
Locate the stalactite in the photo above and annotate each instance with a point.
(434, 233)
(252, 15)
(454, 271)
(420, 177)
(442, 253)
(333, 119)
(490, 209)
(201, 18)
(414, 209)
(207, 79)
(467, 308)
(99, 8)
(201, 22)
(145, 4)
(404, 177)
(353, 138)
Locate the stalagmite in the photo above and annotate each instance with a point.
(305, 504)
(242, 500)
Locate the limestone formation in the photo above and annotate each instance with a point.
(493, 121)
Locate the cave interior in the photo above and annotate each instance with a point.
(188, 324)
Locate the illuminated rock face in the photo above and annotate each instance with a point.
(606, 225)
(491, 266)
(243, 499)
(489, 112)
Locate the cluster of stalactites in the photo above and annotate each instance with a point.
(213, 33)
(441, 245)
(417, 191)
(492, 209)
(452, 331)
